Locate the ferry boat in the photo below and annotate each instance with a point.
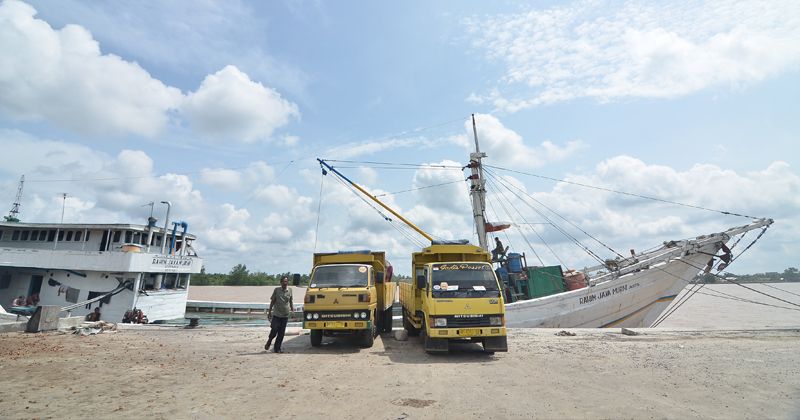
(115, 267)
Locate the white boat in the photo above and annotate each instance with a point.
(115, 267)
(629, 293)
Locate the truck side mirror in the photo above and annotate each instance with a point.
(379, 277)
(296, 279)
(421, 283)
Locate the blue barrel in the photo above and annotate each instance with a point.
(514, 262)
(503, 274)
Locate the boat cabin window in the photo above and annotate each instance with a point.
(116, 236)
(25, 235)
(51, 235)
(15, 236)
(88, 233)
(128, 236)
(1, 234)
(78, 235)
(69, 235)
(42, 235)
(5, 281)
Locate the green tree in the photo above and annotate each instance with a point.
(238, 275)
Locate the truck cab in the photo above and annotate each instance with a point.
(455, 295)
(349, 293)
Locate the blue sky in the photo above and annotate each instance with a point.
(223, 107)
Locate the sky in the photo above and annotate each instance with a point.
(223, 107)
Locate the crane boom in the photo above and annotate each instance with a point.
(363, 191)
(14, 212)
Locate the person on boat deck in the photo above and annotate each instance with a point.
(20, 301)
(281, 302)
(32, 300)
(94, 316)
(498, 250)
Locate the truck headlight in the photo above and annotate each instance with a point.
(363, 315)
(356, 315)
(308, 316)
(440, 322)
(495, 320)
(316, 316)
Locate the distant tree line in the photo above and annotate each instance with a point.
(791, 274)
(240, 276)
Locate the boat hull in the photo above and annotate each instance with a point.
(632, 300)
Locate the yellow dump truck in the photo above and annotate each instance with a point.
(349, 292)
(455, 295)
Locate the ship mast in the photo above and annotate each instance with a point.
(477, 190)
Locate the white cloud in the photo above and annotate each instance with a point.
(351, 150)
(229, 106)
(609, 50)
(61, 75)
(223, 179)
(508, 148)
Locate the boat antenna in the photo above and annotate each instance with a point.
(12, 215)
(326, 167)
(151, 204)
(477, 189)
(63, 205)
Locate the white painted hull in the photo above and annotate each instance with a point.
(633, 298)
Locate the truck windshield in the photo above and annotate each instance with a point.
(340, 276)
(463, 280)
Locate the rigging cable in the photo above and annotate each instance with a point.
(563, 232)
(416, 189)
(566, 220)
(692, 291)
(352, 189)
(665, 315)
(319, 210)
(623, 192)
(504, 200)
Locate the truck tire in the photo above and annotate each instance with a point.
(434, 345)
(316, 338)
(412, 332)
(387, 320)
(368, 337)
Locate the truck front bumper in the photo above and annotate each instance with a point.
(467, 332)
(337, 325)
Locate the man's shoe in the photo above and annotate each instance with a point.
(269, 343)
(278, 351)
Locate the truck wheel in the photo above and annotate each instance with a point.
(413, 332)
(368, 337)
(387, 320)
(316, 338)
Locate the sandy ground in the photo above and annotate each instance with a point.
(223, 372)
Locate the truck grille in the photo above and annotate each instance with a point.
(467, 321)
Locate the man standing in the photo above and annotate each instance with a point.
(281, 302)
(498, 250)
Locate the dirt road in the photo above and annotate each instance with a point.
(223, 372)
